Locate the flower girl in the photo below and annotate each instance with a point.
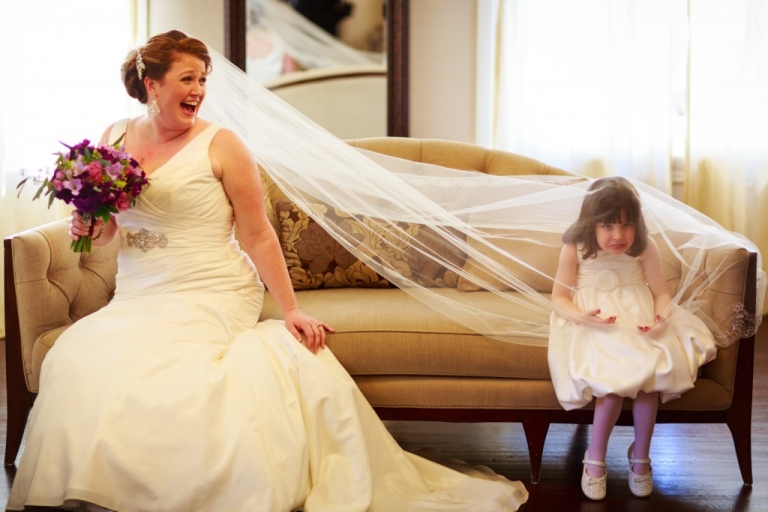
(616, 333)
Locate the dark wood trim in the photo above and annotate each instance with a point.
(234, 32)
(398, 30)
(397, 56)
(19, 398)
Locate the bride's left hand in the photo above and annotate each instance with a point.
(313, 330)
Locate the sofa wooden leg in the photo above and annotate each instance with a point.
(739, 415)
(739, 421)
(19, 405)
(536, 425)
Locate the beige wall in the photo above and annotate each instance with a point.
(442, 69)
(203, 19)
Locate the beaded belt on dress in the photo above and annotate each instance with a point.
(145, 240)
(608, 280)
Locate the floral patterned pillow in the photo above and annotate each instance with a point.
(316, 260)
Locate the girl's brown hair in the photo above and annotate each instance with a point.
(608, 198)
(158, 55)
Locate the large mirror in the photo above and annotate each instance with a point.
(238, 17)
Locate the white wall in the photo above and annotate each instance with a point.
(442, 69)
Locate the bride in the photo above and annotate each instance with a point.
(174, 397)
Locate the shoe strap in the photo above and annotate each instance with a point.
(633, 460)
(593, 463)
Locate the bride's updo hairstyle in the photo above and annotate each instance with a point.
(157, 56)
(608, 197)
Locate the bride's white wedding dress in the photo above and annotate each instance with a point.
(173, 398)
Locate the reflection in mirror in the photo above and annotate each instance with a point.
(393, 75)
(341, 88)
(279, 40)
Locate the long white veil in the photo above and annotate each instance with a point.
(386, 210)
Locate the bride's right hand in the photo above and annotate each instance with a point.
(77, 227)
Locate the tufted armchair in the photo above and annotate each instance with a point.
(47, 288)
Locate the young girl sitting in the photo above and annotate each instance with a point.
(616, 333)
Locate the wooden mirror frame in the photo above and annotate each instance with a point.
(397, 56)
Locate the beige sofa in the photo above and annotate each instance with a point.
(411, 362)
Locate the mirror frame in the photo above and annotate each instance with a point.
(397, 56)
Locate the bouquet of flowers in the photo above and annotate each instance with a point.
(98, 181)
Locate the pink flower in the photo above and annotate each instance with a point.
(123, 203)
(57, 184)
(79, 166)
(94, 170)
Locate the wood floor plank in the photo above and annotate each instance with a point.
(695, 467)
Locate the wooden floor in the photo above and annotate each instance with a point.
(695, 466)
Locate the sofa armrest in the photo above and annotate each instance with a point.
(724, 299)
(52, 286)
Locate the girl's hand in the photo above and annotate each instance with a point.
(77, 228)
(313, 330)
(590, 317)
(659, 326)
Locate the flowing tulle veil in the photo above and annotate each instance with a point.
(374, 206)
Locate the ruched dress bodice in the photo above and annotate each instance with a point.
(188, 206)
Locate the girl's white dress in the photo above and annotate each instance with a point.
(588, 361)
(174, 398)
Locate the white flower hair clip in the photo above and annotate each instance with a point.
(140, 66)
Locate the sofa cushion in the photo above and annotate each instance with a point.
(399, 335)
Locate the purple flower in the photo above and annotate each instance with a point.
(65, 195)
(81, 146)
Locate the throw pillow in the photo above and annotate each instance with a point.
(316, 260)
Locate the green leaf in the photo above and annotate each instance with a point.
(116, 144)
(39, 192)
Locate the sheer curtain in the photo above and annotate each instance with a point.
(728, 163)
(61, 82)
(590, 86)
(603, 87)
